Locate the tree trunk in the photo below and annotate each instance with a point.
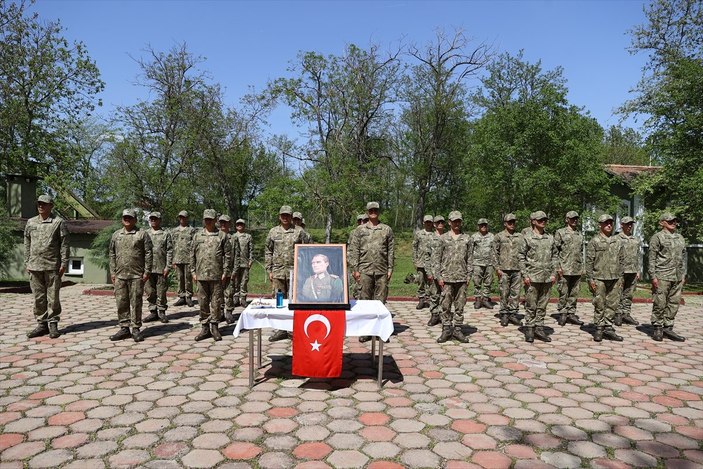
(328, 226)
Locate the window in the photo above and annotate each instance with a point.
(75, 266)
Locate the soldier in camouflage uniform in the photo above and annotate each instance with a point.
(452, 262)
(210, 265)
(240, 273)
(667, 269)
(569, 245)
(630, 271)
(279, 253)
(434, 290)
(537, 259)
(46, 253)
(482, 263)
(229, 289)
(371, 257)
(162, 258)
(604, 260)
(505, 247)
(299, 221)
(182, 238)
(356, 286)
(130, 265)
(420, 240)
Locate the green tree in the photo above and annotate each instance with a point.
(624, 146)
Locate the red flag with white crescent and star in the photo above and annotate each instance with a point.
(318, 339)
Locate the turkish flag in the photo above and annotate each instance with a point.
(318, 338)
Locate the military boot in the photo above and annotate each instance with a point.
(162, 317)
(54, 330)
(420, 304)
(504, 319)
(280, 334)
(180, 302)
(122, 334)
(562, 319)
(574, 319)
(669, 333)
(658, 334)
(541, 335)
(512, 317)
(446, 334)
(137, 334)
(229, 317)
(610, 334)
(204, 333)
(617, 320)
(215, 332)
(434, 320)
(189, 302)
(153, 316)
(628, 319)
(458, 335)
(487, 303)
(477, 303)
(598, 335)
(41, 329)
(529, 334)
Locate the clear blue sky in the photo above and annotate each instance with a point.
(247, 43)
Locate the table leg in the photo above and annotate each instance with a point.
(373, 348)
(258, 338)
(380, 362)
(251, 358)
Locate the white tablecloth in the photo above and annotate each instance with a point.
(367, 317)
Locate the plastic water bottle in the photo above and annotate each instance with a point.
(279, 299)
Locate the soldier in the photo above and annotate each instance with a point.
(505, 247)
(604, 260)
(279, 253)
(322, 286)
(630, 271)
(452, 260)
(46, 254)
(434, 291)
(299, 221)
(356, 287)
(229, 289)
(667, 269)
(130, 265)
(569, 245)
(162, 258)
(420, 240)
(240, 273)
(371, 257)
(482, 263)
(182, 238)
(210, 264)
(537, 259)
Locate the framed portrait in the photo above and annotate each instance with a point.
(320, 279)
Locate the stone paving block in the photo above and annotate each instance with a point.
(420, 458)
(347, 459)
(201, 458)
(560, 459)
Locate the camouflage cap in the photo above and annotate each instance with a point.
(45, 199)
(510, 217)
(455, 215)
(298, 215)
(572, 214)
(224, 217)
(438, 218)
(667, 216)
(371, 205)
(285, 209)
(427, 218)
(482, 221)
(129, 212)
(209, 213)
(604, 218)
(538, 215)
(155, 215)
(183, 213)
(626, 220)
(360, 217)
(240, 221)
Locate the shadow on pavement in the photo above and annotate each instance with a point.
(161, 329)
(88, 326)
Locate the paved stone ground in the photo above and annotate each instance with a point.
(82, 401)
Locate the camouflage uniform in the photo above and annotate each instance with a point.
(434, 291)
(604, 259)
(157, 284)
(305, 236)
(452, 265)
(372, 254)
(505, 248)
(569, 246)
(182, 240)
(46, 250)
(240, 273)
(667, 264)
(537, 261)
(279, 255)
(482, 262)
(630, 271)
(421, 240)
(130, 258)
(210, 260)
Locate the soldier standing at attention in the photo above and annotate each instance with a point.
(229, 289)
(604, 260)
(279, 253)
(630, 271)
(240, 273)
(434, 290)
(210, 264)
(46, 254)
(569, 245)
(482, 263)
(371, 257)
(452, 260)
(420, 241)
(505, 247)
(537, 258)
(162, 258)
(299, 221)
(130, 265)
(356, 288)
(182, 238)
(667, 269)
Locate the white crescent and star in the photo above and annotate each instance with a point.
(317, 318)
